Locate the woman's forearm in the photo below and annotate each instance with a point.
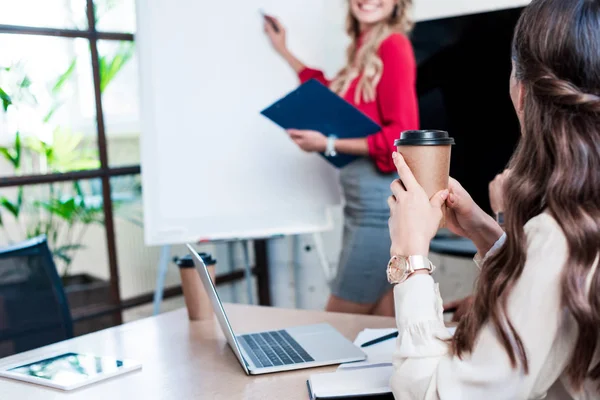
(486, 235)
(293, 61)
(355, 147)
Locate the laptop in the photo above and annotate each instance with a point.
(281, 350)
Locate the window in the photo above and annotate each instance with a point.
(68, 87)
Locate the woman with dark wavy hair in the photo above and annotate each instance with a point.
(533, 330)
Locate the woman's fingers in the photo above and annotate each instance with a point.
(398, 188)
(269, 28)
(454, 185)
(391, 203)
(294, 133)
(438, 199)
(275, 22)
(406, 175)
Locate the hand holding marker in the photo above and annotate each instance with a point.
(270, 20)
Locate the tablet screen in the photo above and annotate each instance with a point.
(70, 368)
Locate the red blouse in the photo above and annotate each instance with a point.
(395, 108)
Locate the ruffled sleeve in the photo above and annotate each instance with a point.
(308, 73)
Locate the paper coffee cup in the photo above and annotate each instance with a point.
(197, 302)
(427, 153)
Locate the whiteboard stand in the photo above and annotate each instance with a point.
(248, 271)
(280, 272)
(231, 261)
(161, 275)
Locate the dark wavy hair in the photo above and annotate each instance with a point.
(555, 168)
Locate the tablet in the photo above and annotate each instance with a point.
(70, 370)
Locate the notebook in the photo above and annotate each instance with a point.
(363, 382)
(360, 380)
(314, 106)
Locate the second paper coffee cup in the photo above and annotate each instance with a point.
(427, 153)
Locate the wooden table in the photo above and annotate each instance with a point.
(185, 360)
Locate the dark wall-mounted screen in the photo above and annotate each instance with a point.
(463, 86)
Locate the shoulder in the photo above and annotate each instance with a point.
(546, 242)
(544, 225)
(396, 44)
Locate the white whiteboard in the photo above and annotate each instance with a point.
(436, 9)
(212, 166)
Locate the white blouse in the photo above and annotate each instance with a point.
(424, 369)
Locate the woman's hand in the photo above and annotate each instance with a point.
(465, 218)
(414, 218)
(309, 141)
(496, 189)
(278, 39)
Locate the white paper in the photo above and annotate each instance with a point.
(379, 354)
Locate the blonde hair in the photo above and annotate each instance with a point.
(365, 60)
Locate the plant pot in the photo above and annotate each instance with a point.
(86, 293)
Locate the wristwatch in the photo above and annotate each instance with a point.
(330, 149)
(400, 267)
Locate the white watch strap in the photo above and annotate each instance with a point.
(330, 149)
(417, 263)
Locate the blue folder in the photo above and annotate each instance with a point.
(314, 106)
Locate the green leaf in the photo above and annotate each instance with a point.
(64, 78)
(65, 258)
(20, 197)
(77, 188)
(13, 155)
(18, 150)
(11, 207)
(110, 68)
(65, 209)
(65, 253)
(64, 154)
(6, 101)
(52, 110)
(38, 146)
(25, 82)
(73, 210)
(70, 247)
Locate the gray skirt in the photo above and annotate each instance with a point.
(361, 276)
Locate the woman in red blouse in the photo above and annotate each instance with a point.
(379, 79)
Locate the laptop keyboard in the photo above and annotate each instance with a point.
(272, 349)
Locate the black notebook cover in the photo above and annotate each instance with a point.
(313, 106)
(387, 396)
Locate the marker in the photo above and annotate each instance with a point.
(270, 20)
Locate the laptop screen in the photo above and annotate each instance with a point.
(217, 305)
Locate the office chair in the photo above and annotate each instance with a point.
(33, 307)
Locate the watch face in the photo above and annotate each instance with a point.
(397, 269)
(399, 263)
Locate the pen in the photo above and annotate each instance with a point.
(380, 339)
(270, 20)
